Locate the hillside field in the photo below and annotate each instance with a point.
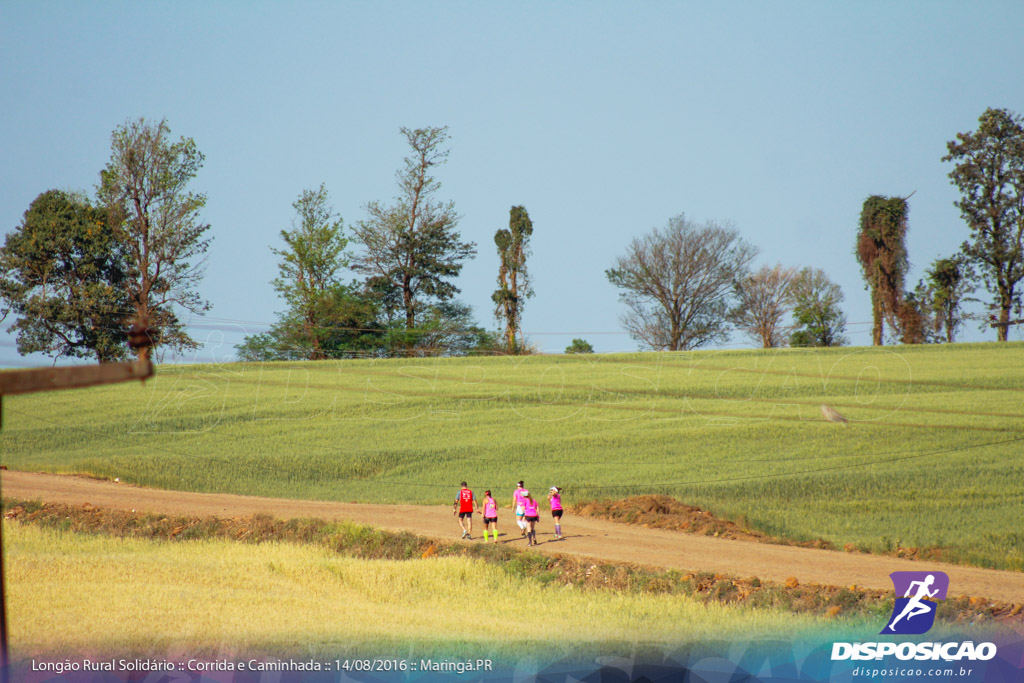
(932, 455)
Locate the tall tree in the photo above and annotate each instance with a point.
(819, 319)
(63, 277)
(948, 285)
(310, 264)
(882, 252)
(412, 247)
(155, 218)
(763, 298)
(513, 278)
(678, 283)
(989, 173)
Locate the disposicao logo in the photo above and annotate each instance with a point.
(914, 613)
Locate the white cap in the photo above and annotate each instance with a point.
(555, 489)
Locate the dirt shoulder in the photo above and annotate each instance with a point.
(585, 537)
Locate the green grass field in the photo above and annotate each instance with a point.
(933, 454)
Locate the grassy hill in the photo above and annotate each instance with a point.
(932, 454)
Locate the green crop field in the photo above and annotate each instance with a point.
(932, 455)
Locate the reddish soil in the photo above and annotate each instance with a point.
(584, 536)
(665, 512)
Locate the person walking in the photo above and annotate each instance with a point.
(555, 498)
(490, 516)
(531, 515)
(465, 505)
(517, 505)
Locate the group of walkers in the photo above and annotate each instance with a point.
(527, 510)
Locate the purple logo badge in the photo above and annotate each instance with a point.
(917, 596)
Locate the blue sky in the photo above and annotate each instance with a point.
(603, 119)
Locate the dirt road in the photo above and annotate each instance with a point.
(586, 537)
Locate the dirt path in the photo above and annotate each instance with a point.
(585, 537)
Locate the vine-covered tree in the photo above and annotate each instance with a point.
(513, 278)
(63, 277)
(763, 299)
(412, 247)
(816, 313)
(155, 219)
(678, 283)
(989, 173)
(882, 253)
(914, 320)
(308, 272)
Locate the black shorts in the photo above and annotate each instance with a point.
(465, 515)
(557, 514)
(535, 518)
(488, 520)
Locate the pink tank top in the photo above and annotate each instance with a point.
(490, 507)
(530, 507)
(556, 501)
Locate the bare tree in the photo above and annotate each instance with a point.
(678, 282)
(763, 299)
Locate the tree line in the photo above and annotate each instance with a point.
(79, 271)
(687, 285)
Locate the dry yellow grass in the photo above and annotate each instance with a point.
(71, 593)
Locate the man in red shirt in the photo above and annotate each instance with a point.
(465, 505)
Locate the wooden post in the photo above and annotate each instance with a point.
(72, 377)
(55, 379)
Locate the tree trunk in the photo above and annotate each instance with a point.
(511, 326)
(410, 316)
(876, 332)
(314, 340)
(1004, 320)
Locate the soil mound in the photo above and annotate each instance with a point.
(665, 512)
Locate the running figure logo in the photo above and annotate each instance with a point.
(914, 613)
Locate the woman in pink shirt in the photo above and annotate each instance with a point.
(490, 516)
(517, 505)
(531, 514)
(555, 498)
